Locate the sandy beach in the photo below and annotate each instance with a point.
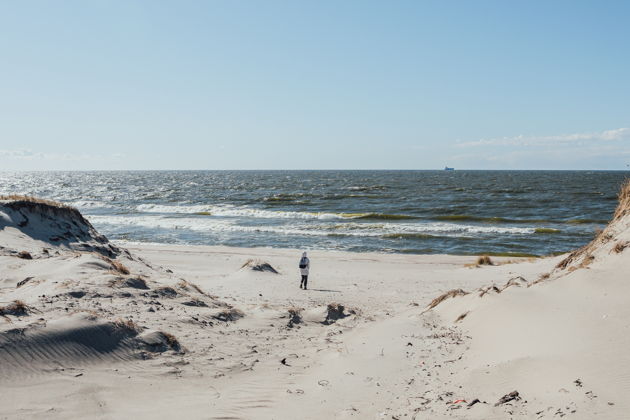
(92, 329)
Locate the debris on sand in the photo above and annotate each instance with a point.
(258, 265)
(23, 282)
(512, 396)
(473, 402)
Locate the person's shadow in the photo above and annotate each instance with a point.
(326, 290)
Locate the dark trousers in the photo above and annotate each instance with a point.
(304, 281)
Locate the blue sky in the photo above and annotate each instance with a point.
(314, 85)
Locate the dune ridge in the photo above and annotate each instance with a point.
(567, 323)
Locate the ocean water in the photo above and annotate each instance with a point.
(422, 212)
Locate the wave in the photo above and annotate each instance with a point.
(409, 236)
(547, 230)
(233, 211)
(367, 188)
(471, 218)
(403, 230)
(587, 221)
(89, 204)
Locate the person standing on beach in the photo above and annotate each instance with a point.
(305, 264)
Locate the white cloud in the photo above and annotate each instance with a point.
(615, 135)
(27, 154)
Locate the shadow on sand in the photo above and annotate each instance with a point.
(325, 290)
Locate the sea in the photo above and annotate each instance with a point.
(513, 213)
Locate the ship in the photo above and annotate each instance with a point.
(446, 168)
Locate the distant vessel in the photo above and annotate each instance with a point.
(446, 168)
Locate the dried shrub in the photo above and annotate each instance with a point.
(295, 316)
(127, 324)
(623, 207)
(619, 247)
(258, 265)
(484, 260)
(119, 267)
(171, 341)
(15, 308)
(334, 312)
(25, 255)
(230, 314)
(451, 293)
(116, 266)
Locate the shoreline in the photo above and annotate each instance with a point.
(502, 257)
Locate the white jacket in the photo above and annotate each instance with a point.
(304, 271)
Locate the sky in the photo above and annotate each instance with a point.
(109, 85)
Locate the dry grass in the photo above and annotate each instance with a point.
(462, 316)
(623, 208)
(120, 267)
(35, 200)
(515, 281)
(230, 314)
(601, 237)
(451, 293)
(171, 341)
(127, 324)
(541, 278)
(484, 260)
(186, 285)
(116, 266)
(486, 290)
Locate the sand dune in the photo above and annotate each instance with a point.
(116, 331)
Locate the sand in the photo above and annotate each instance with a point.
(122, 330)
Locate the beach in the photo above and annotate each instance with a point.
(314, 210)
(96, 329)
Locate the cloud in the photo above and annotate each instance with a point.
(615, 135)
(28, 154)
